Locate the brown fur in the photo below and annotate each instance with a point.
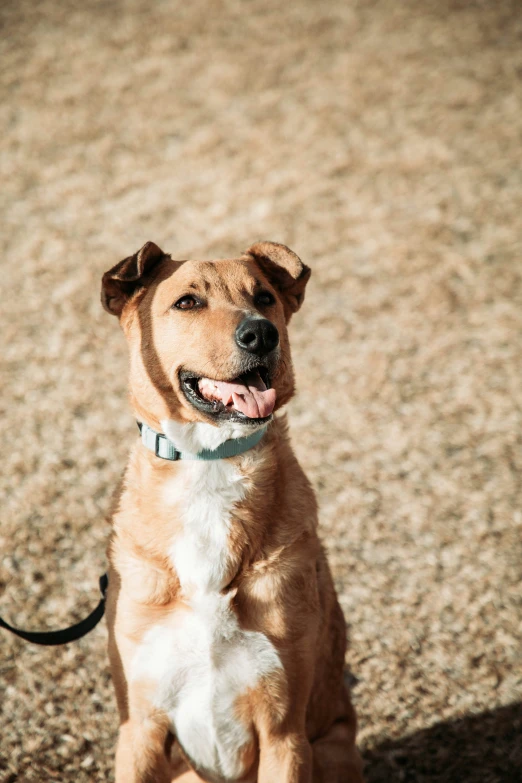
(279, 577)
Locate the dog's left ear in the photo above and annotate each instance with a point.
(285, 270)
(120, 282)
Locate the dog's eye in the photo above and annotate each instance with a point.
(186, 303)
(264, 298)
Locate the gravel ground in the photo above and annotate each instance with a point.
(382, 141)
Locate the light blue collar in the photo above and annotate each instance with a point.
(165, 449)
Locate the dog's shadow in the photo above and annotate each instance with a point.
(484, 748)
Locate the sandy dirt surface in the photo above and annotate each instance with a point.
(382, 141)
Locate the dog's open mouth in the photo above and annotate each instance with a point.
(249, 397)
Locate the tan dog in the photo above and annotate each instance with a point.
(226, 641)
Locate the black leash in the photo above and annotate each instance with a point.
(67, 634)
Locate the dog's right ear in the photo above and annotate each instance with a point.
(120, 282)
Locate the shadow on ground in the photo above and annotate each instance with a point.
(485, 748)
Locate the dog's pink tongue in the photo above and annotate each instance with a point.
(250, 397)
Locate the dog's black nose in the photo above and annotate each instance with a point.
(257, 335)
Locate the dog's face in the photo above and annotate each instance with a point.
(208, 339)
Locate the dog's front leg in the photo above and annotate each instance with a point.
(286, 758)
(140, 754)
(140, 757)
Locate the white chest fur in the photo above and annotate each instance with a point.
(200, 658)
(205, 494)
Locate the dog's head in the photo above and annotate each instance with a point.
(208, 339)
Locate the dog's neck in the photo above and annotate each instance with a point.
(202, 517)
(198, 436)
(219, 509)
(165, 448)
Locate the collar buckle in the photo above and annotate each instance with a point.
(169, 453)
